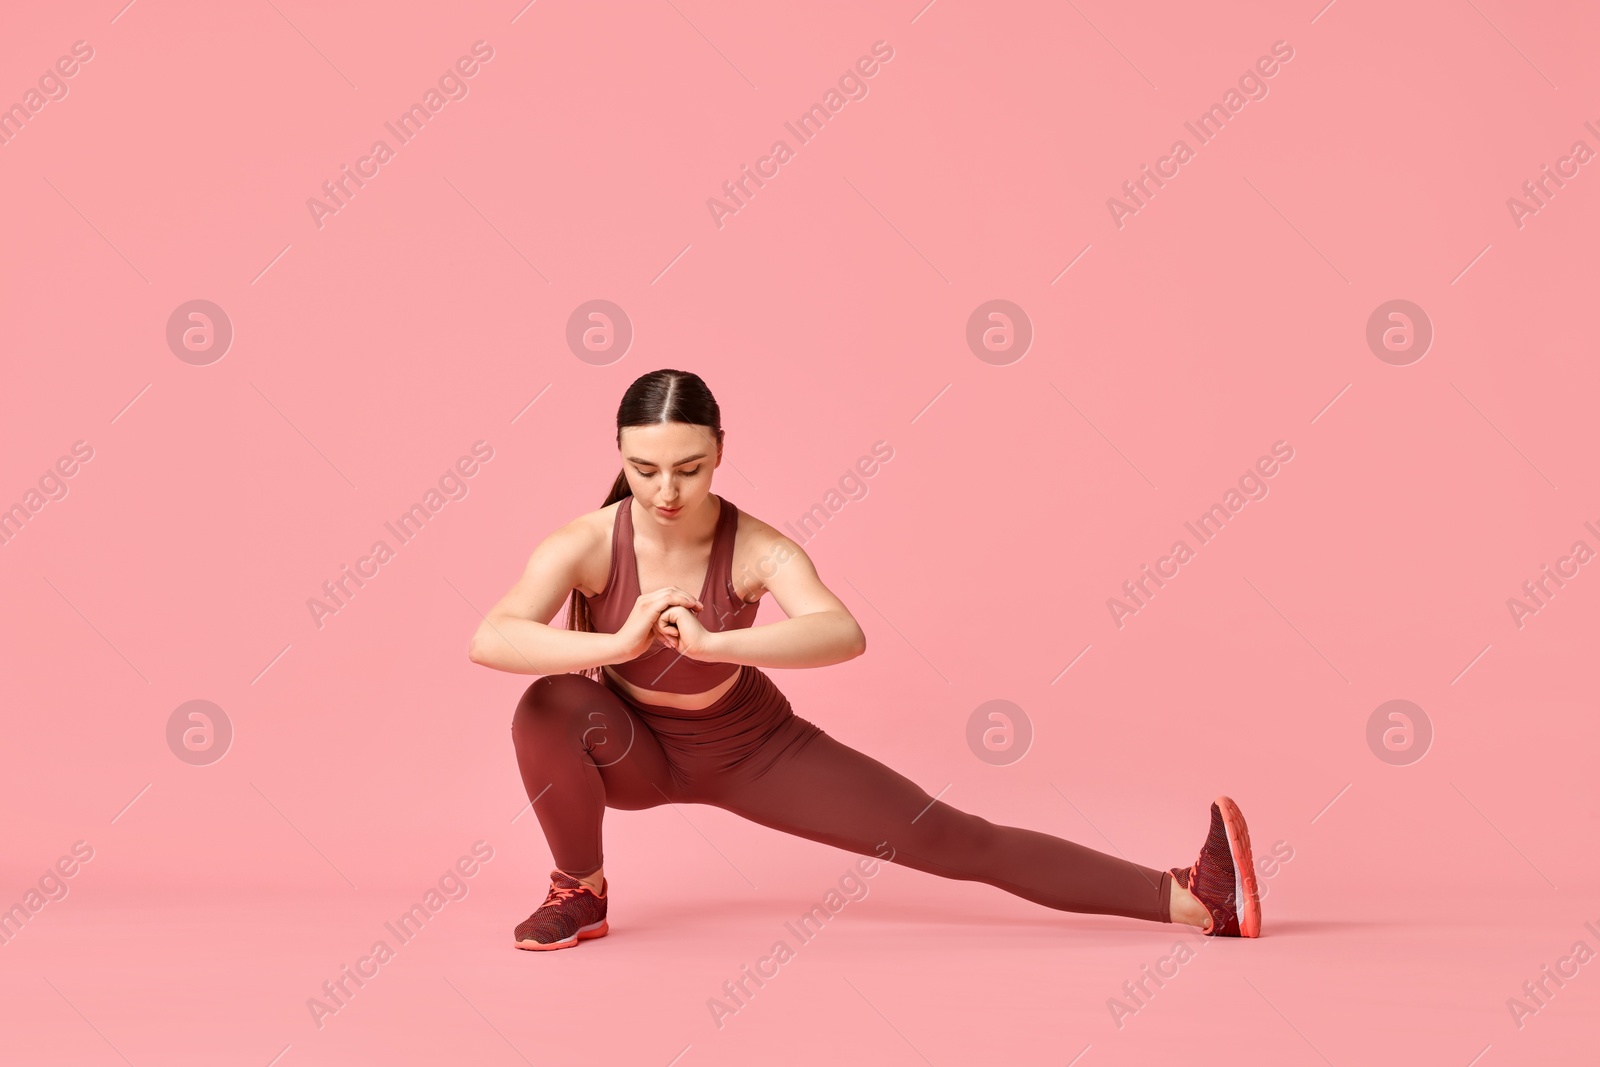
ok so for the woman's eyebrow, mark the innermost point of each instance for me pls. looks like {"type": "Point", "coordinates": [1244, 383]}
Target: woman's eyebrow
{"type": "Point", "coordinates": [653, 463]}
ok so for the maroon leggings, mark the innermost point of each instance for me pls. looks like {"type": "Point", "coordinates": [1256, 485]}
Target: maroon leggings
{"type": "Point", "coordinates": [582, 745]}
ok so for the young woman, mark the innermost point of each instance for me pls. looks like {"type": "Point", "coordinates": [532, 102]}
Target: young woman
{"type": "Point", "coordinates": [652, 693]}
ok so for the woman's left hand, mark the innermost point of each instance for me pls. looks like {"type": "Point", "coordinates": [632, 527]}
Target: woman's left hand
{"type": "Point", "coordinates": [677, 628]}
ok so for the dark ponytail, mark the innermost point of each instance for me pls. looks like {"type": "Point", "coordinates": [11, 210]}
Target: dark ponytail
{"type": "Point", "coordinates": [657, 397]}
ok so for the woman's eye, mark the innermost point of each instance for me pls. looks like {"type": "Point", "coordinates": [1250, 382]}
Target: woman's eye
{"type": "Point", "coordinates": [651, 474]}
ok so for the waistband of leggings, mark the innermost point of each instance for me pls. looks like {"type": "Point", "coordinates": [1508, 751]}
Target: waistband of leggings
{"type": "Point", "coordinates": [749, 678]}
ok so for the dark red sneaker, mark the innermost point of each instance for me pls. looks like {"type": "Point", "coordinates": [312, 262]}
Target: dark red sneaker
{"type": "Point", "coordinates": [1224, 875]}
{"type": "Point", "coordinates": [571, 911]}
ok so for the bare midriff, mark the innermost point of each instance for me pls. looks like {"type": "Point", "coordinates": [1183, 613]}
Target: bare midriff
{"type": "Point", "coordinates": [681, 701]}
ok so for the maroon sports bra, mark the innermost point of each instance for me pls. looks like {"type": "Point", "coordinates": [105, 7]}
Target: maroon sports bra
{"type": "Point", "coordinates": [661, 668]}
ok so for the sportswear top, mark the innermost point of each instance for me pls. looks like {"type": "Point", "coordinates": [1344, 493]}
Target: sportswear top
{"type": "Point", "coordinates": [661, 668]}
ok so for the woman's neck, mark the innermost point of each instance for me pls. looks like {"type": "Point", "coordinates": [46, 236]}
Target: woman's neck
{"type": "Point", "coordinates": [687, 532]}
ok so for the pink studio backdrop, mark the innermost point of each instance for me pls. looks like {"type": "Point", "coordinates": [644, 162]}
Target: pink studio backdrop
{"type": "Point", "coordinates": [1157, 341]}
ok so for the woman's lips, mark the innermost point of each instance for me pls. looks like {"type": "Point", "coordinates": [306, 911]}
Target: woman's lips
{"type": "Point", "coordinates": [669, 511]}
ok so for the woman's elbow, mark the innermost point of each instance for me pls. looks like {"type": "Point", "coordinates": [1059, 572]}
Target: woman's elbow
{"type": "Point", "coordinates": [478, 649]}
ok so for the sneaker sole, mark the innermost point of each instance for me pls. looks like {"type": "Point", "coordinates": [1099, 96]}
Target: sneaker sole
{"type": "Point", "coordinates": [592, 930]}
{"type": "Point", "coordinates": [1246, 900]}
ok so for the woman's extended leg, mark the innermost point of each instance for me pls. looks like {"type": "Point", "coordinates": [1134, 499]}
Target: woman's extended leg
{"type": "Point", "coordinates": [579, 749]}
{"type": "Point", "coordinates": [829, 792]}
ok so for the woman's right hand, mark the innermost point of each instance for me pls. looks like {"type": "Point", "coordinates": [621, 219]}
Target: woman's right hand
{"type": "Point", "coordinates": [638, 631]}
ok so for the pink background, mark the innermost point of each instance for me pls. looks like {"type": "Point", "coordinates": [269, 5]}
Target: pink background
{"type": "Point", "coordinates": [829, 313]}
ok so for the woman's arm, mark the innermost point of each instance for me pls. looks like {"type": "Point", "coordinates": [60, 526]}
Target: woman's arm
{"type": "Point", "coordinates": [514, 635]}
{"type": "Point", "coordinates": [523, 646]}
{"type": "Point", "coordinates": [819, 629]}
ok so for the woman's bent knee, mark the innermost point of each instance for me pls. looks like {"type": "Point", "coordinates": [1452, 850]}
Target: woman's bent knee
{"type": "Point", "coordinates": [556, 697]}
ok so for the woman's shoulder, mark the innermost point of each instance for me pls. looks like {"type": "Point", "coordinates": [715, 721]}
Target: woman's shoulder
{"type": "Point", "coordinates": [761, 535]}
{"type": "Point", "coordinates": [589, 536]}
{"type": "Point", "coordinates": [757, 547]}
{"type": "Point", "coordinates": [590, 526]}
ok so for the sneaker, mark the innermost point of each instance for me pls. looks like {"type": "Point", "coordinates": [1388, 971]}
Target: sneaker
{"type": "Point", "coordinates": [571, 911]}
{"type": "Point", "coordinates": [1223, 878]}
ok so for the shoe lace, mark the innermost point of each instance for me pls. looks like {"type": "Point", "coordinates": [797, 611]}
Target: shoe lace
{"type": "Point", "coordinates": [560, 893]}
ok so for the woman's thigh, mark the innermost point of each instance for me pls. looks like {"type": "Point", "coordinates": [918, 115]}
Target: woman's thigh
{"type": "Point", "coordinates": [829, 792]}
{"type": "Point", "coordinates": [563, 714]}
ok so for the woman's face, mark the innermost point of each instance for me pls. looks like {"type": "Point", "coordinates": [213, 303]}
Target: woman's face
{"type": "Point", "coordinates": [669, 466]}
